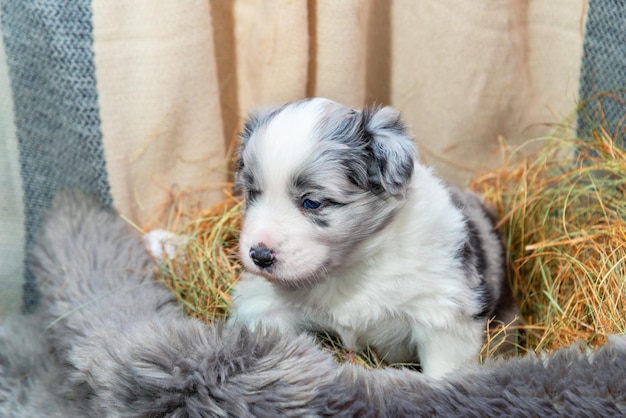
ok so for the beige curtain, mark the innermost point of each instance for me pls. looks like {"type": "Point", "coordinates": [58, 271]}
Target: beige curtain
{"type": "Point", "coordinates": [176, 77]}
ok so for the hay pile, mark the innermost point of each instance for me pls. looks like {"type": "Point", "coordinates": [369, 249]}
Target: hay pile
{"type": "Point", "coordinates": [563, 215]}
{"type": "Point", "coordinates": [564, 221]}
{"type": "Point", "coordinates": [206, 268]}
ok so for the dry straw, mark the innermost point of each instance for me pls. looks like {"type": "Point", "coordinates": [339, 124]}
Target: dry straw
{"type": "Point", "coordinates": [563, 218]}
{"type": "Point", "coordinates": [207, 267]}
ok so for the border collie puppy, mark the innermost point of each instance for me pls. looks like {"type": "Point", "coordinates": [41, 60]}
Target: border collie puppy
{"type": "Point", "coordinates": [345, 231]}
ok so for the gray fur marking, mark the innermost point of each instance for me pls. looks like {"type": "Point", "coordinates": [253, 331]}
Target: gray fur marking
{"type": "Point", "coordinates": [482, 254]}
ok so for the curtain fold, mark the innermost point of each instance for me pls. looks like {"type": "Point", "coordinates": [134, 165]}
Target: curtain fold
{"type": "Point", "coordinates": [176, 79]}
{"type": "Point", "coordinates": [139, 101]}
{"type": "Point", "coordinates": [160, 104]}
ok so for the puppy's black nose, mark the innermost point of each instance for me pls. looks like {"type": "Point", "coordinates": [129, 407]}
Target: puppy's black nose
{"type": "Point", "coordinates": [262, 256]}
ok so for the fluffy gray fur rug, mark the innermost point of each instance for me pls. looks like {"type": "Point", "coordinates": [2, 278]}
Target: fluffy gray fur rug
{"type": "Point", "coordinates": [109, 341]}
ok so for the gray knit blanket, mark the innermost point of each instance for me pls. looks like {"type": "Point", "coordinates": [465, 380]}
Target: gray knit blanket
{"type": "Point", "coordinates": [108, 340]}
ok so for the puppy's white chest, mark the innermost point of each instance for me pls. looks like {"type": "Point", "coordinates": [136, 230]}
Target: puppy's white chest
{"type": "Point", "coordinates": [359, 329]}
{"type": "Point", "coordinates": [361, 315]}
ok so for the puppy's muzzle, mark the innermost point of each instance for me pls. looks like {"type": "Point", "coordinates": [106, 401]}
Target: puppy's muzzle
{"type": "Point", "coordinates": [262, 256]}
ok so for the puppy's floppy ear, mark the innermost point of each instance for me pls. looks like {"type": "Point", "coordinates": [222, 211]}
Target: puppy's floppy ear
{"type": "Point", "coordinates": [392, 148]}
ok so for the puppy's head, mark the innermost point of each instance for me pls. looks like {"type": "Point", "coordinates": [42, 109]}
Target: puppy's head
{"type": "Point", "coordinates": [318, 180]}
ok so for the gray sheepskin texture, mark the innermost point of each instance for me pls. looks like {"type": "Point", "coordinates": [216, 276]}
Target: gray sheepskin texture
{"type": "Point", "coordinates": [110, 341]}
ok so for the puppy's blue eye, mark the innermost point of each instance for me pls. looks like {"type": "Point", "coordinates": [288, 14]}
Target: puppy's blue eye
{"type": "Point", "coordinates": [311, 204]}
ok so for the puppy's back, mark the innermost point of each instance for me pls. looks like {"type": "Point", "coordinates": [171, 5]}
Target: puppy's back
{"type": "Point", "coordinates": [484, 256]}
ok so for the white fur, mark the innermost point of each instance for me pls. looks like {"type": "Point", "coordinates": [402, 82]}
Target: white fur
{"type": "Point", "coordinates": [400, 290]}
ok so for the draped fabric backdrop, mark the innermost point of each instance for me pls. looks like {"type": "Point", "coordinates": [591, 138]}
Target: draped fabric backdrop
{"type": "Point", "coordinates": [138, 100]}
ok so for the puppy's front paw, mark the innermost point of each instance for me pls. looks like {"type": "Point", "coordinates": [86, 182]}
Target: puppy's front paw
{"type": "Point", "coordinates": [268, 319]}
{"type": "Point", "coordinates": [446, 350]}
{"type": "Point", "coordinates": [255, 304]}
